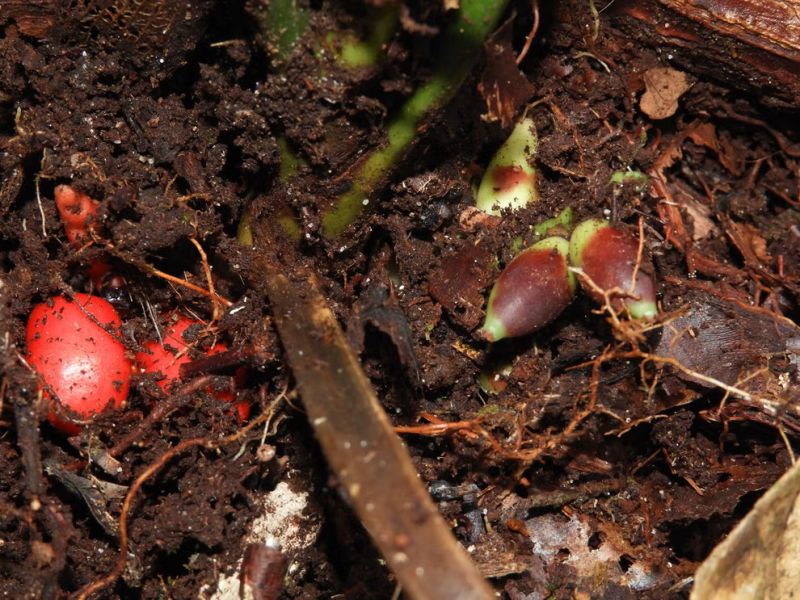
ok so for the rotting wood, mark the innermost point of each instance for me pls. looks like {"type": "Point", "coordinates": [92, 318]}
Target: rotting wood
{"type": "Point", "coordinates": [751, 44]}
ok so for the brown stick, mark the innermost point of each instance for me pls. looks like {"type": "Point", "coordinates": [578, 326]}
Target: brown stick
{"type": "Point", "coordinates": [370, 462]}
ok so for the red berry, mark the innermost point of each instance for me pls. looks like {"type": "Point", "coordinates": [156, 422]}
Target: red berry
{"type": "Point", "coordinates": [82, 363]}
{"type": "Point", "coordinates": [168, 357]}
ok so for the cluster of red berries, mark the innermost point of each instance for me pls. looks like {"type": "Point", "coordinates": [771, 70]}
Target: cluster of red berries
{"type": "Point", "coordinates": [75, 345]}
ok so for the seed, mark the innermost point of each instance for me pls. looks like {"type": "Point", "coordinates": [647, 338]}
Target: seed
{"type": "Point", "coordinates": [82, 364]}
{"type": "Point", "coordinates": [531, 291]}
{"type": "Point", "coordinates": [608, 256]}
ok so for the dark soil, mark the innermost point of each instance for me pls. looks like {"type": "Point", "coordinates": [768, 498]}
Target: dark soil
{"type": "Point", "coordinates": [178, 136]}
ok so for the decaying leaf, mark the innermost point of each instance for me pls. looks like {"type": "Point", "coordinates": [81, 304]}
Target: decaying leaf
{"type": "Point", "coordinates": [761, 557]}
{"type": "Point", "coordinates": [459, 285]}
{"type": "Point", "coordinates": [503, 86]}
{"type": "Point", "coordinates": [725, 339]}
{"type": "Point", "coordinates": [595, 555]}
{"type": "Point", "coordinates": [749, 241]}
{"type": "Point", "coordinates": [698, 212]}
{"type": "Point", "coordinates": [663, 88]}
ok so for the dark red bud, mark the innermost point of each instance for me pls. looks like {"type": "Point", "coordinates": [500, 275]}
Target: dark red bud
{"type": "Point", "coordinates": [531, 291]}
{"type": "Point", "coordinates": [608, 255]}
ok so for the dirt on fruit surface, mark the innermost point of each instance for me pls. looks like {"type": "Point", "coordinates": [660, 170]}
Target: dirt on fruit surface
{"type": "Point", "coordinates": [599, 456]}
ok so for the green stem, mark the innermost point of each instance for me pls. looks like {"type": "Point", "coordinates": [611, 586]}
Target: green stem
{"type": "Point", "coordinates": [461, 44]}
{"type": "Point", "coordinates": [282, 22]}
{"type": "Point", "coordinates": [355, 53]}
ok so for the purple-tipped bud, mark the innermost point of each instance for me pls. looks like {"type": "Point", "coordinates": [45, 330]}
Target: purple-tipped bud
{"type": "Point", "coordinates": [531, 291]}
{"type": "Point", "coordinates": [607, 255]}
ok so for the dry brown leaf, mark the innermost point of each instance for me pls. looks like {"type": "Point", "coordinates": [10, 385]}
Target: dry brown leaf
{"type": "Point", "coordinates": [699, 213]}
{"type": "Point", "coordinates": [726, 340]}
{"type": "Point", "coordinates": [702, 225]}
{"type": "Point", "coordinates": [761, 557]}
{"type": "Point", "coordinates": [749, 241]}
{"type": "Point", "coordinates": [703, 134]}
{"type": "Point", "coordinates": [503, 86]}
{"type": "Point", "coordinates": [663, 87]}
{"type": "Point", "coordinates": [700, 133]}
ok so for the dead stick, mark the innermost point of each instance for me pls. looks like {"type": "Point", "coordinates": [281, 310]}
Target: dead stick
{"type": "Point", "coordinates": [28, 440]}
{"type": "Point", "coordinates": [371, 464]}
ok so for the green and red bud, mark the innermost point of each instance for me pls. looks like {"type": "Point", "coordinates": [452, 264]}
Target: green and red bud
{"type": "Point", "coordinates": [531, 291]}
{"type": "Point", "coordinates": [510, 179]}
{"type": "Point", "coordinates": [560, 225]}
{"type": "Point", "coordinates": [608, 257]}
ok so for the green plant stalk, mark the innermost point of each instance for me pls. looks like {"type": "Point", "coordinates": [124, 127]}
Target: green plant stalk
{"type": "Point", "coordinates": [462, 43]}
{"type": "Point", "coordinates": [289, 166]}
{"type": "Point", "coordinates": [244, 232]}
{"type": "Point", "coordinates": [358, 54]}
{"type": "Point", "coordinates": [282, 23]}
{"type": "Point", "coordinates": [291, 163]}
{"type": "Point", "coordinates": [623, 177]}
{"type": "Point", "coordinates": [562, 222]}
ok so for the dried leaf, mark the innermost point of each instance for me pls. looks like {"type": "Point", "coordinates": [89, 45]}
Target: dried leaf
{"type": "Point", "coordinates": [702, 225]}
{"type": "Point", "coordinates": [664, 86]}
{"type": "Point", "coordinates": [749, 241]}
{"type": "Point", "coordinates": [503, 86]}
{"type": "Point", "coordinates": [594, 569]}
{"type": "Point", "coordinates": [460, 282]}
{"type": "Point", "coordinates": [761, 557]}
{"type": "Point", "coordinates": [699, 213]}
{"type": "Point", "coordinates": [724, 339]}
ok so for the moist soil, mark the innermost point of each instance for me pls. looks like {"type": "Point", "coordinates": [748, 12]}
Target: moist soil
{"type": "Point", "coordinates": [181, 131]}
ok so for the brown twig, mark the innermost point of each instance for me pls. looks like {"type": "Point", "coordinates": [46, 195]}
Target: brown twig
{"type": "Point", "coordinates": [139, 264]}
{"type": "Point", "coordinates": [27, 426]}
{"type": "Point", "coordinates": [215, 298]}
{"type": "Point", "coordinates": [215, 362]}
{"type": "Point", "coordinates": [373, 467]}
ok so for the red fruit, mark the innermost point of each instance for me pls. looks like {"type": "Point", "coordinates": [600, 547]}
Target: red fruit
{"type": "Point", "coordinates": [84, 365]}
{"type": "Point", "coordinates": [608, 255]}
{"type": "Point", "coordinates": [77, 212]}
{"type": "Point", "coordinates": [531, 291]}
{"type": "Point", "coordinates": [168, 357]}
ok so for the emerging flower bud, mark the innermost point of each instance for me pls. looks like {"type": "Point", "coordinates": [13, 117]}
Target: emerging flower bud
{"type": "Point", "coordinates": [77, 212]}
{"type": "Point", "coordinates": [531, 291]}
{"type": "Point", "coordinates": [510, 179]}
{"type": "Point", "coordinates": [607, 255]}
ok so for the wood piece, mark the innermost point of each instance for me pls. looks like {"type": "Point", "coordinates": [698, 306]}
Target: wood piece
{"type": "Point", "coordinates": [373, 467]}
{"type": "Point", "coordinates": [750, 44]}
